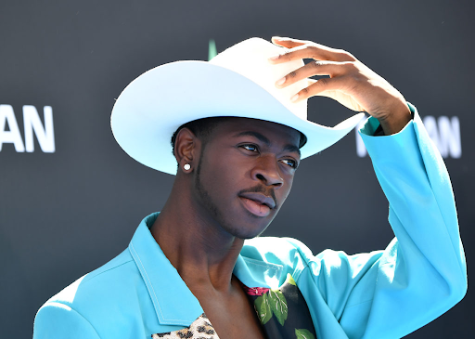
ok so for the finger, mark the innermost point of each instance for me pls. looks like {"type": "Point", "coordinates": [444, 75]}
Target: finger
{"type": "Point", "coordinates": [319, 87]}
{"type": "Point", "coordinates": [288, 42]}
{"type": "Point", "coordinates": [313, 51]}
{"type": "Point", "coordinates": [331, 68]}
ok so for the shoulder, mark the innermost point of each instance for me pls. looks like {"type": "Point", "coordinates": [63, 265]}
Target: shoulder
{"type": "Point", "coordinates": [93, 301]}
{"type": "Point", "coordinates": [283, 251]}
{"type": "Point", "coordinates": [293, 253]}
{"type": "Point", "coordinates": [103, 283]}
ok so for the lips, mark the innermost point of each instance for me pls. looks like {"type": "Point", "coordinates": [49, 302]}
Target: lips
{"type": "Point", "coordinates": [260, 198]}
{"type": "Point", "coordinates": [257, 203]}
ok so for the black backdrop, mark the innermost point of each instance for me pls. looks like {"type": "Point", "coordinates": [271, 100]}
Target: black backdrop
{"type": "Point", "coordinates": [65, 213]}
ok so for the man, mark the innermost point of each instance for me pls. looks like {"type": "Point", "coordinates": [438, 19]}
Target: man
{"type": "Point", "coordinates": [239, 131]}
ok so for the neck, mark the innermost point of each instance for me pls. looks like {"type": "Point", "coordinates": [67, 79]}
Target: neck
{"type": "Point", "coordinates": [196, 245]}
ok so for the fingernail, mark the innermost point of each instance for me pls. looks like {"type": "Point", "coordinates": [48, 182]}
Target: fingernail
{"type": "Point", "coordinates": [281, 81]}
{"type": "Point", "coordinates": [294, 98]}
{"type": "Point", "coordinates": [275, 57]}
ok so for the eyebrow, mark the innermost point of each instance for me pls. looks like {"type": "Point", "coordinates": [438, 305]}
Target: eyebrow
{"type": "Point", "coordinates": [262, 138]}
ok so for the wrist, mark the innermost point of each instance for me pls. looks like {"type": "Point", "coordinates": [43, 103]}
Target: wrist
{"type": "Point", "coordinates": [396, 119]}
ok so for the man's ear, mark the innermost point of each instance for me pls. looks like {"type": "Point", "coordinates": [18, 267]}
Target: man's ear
{"type": "Point", "coordinates": [186, 144]}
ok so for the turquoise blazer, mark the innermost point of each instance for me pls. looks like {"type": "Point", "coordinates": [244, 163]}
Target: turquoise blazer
{"type": "Point", "coordinates": [382, 294]}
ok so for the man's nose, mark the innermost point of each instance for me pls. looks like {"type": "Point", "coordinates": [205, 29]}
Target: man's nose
{"type": "Point", "coordinates": [267, 171]}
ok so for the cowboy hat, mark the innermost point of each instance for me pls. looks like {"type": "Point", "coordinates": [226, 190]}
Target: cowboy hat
{"type": "Point", "coordinates": [239, 82]}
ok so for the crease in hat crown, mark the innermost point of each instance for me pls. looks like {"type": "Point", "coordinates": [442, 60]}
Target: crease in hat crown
{"type": "Point", "coordinates": [250, 58]}
{"type": "Point", "coordinates": [238, 82]}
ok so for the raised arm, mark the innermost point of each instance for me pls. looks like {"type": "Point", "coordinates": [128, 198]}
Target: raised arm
{"type": "Point", "coordinates": [422, 273]}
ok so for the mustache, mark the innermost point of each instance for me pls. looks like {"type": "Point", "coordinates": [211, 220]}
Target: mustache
{"type": "Point", "coordinates": [263, 190]}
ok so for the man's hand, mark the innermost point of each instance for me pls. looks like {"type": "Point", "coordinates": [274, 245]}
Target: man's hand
{"type": "Point", "coordinates": [350, 82]}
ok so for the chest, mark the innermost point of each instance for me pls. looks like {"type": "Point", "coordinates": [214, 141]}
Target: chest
{"type": "Point", "coordinates": [232, 317]}
{"type": "Point", "coordinates": [252, 313]}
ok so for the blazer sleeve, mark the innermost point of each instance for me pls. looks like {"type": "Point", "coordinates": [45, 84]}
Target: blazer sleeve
{"type": "Point", "coordinates": [57, 320]}
{"type": "Point", "coordinates": [422, 273]}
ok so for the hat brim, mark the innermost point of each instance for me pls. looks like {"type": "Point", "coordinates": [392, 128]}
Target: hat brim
{"type": "Point", "coordinates": [153, 106]}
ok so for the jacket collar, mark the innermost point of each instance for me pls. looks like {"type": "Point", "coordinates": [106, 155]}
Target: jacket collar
{"type": "Point", "coordinates": [173, 301]}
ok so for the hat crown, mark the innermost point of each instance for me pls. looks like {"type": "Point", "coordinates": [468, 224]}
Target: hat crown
{"type": "Point", "coordinates": [250, 59]}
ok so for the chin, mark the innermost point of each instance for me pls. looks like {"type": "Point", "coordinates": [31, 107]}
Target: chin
{"type": "Point", "coordinates": [246, 235]}
{"type": "Point", "coordinates": [249, 229]}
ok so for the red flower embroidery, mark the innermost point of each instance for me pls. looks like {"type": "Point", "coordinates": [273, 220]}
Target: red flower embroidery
{"type": "Point", "coordinates": [255, 290]}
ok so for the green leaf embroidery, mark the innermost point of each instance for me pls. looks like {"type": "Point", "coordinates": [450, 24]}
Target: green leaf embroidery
{"type": "Point", "coordinates": [290, 280]}
{"type": "Point", "coordinates": [263, 308]}
{"type": "Point", "coordinates": [278, 305]}
{"type": "Point", "coordinates": [304, 334]}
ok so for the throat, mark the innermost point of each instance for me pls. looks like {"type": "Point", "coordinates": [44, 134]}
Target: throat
{"type": "Point", "coordinates": [201, 255]}
{"type": "Point", "coordinates": [231, 314]}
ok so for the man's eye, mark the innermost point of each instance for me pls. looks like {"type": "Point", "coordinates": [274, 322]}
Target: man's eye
{"type": "Point", "coordinates": [250, 147]}
{"type": "Point", "coordinates": [290, 162]}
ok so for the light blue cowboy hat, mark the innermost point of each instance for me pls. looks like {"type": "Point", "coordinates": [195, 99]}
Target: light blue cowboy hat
{"type": "Point", "coordinates": [239, 82]}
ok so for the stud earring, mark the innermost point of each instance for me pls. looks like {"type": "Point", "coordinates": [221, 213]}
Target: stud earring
{"type": "Point", "coordinates": [187, 167]}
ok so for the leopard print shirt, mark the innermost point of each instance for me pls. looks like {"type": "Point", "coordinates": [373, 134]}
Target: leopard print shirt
{"type": "Point", "coordinates": [201, 328]}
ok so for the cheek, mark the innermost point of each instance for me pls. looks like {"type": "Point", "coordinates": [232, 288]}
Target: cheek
{"type": "Point", "coordinates": [285, 190]}
{"type": "Point", "coordinates": [289, 179]}
{"type": "Point", "coordinates": [229, 165]}
{"type": "Point", "coordinates": [221, 177]}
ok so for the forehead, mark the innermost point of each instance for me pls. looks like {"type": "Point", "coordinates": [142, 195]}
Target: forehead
{"type": "Point", "coordinates": [276, 133]}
